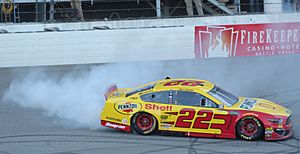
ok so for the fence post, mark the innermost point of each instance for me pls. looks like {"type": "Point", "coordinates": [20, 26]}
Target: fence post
{"type": "Point", "coordinates": [51, 12]}
{"type": "Point", "coordinates": [40, 10]}
{"type": "Point", "coordinates": [272, 6]}
{"type": "Point", "coordinates": [45, 11]}
{"type": "Point", "coordinates": [158, 11]}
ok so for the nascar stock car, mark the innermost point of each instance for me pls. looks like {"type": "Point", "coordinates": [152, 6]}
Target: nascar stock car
{"type": "Point", "coordinates": [195, 108]}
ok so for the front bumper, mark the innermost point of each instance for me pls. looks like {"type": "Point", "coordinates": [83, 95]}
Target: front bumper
{"type": "Point", "coordinates": [280, 137]}
{"type": "Point", "coordinates": [279, 133]}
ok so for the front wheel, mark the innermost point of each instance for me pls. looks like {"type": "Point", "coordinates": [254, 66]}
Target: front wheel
{"type": "Point", "coordinates": [249, 128]}
{"type": "Point", "coordinates": [143, 123]}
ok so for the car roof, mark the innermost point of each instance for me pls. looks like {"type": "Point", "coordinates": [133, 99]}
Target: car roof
{"type": "Point", "coordinates": [183, 84]}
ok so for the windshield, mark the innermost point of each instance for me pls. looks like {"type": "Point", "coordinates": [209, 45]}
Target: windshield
{"type": "Point", "coordinates": [225, 97]}
{"type": "Point", "coordinates": [134, 91]}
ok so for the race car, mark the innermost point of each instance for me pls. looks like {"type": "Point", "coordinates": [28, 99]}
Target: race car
{"type": "Point", "coordinates": [195, 108]}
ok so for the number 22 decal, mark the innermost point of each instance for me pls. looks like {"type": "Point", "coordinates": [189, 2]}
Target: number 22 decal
{"type": "Point", "coordinates": [201, 122]}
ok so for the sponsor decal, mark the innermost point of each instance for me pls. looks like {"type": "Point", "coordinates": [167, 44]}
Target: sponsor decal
{"type": "Point", "coordinates": [164, 117]}
{"type": "Point", "coordinates": [127, 107]}
{"type": "Point", "coordinates": [158, 107]}
{"type": "Point", "coordinates": [250, 114]}
{"type": "Point", "coordinates": [113, 119]}
{"type": "Point", "coordinates": [267, 106]}
{"type": "Point", "coordinates": [268, 132]}
{"type": "Point", "coordinates": [117, 94]}
{"type": "Point", "coordinates": [108, 124]}
{"type": "Point", "coordinates": [133, 97]}
{"type": "Point", "coordinates": [248, 103]}
{"type": "Point", "coordinates": [124, 121]}
{"type": "Point", "coordinates": [233, 112]}
{"type": "Point", "coordinates": [190, 83]}
{"type": "Point", "coordinates": [247, 40]}
{"type": "Point", "coordinates": [166, 126]}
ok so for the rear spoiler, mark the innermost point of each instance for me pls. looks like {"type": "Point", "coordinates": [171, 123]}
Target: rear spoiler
{"type": "Point", "coordinates": [109, 90]}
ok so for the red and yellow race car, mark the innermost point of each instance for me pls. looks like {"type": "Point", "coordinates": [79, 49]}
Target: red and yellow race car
{"type": "Point", "coordinates": [194, 108]}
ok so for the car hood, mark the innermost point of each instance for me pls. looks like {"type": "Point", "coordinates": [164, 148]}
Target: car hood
{"type": "Point", "coordinates": [262, 105]}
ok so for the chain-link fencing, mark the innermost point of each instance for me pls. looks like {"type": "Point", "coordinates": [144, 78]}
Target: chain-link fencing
{"type": "Point", "coordinates": [97, 10]}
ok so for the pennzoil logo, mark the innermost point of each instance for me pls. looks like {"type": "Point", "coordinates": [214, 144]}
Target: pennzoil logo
{"type": "Point", "coordinates": [127, 107]}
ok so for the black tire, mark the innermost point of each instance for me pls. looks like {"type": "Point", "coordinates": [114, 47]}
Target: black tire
{"type": "Point", "coordinates": [250, 128]}
{"type": "Point", "coordinates": [143, 123]}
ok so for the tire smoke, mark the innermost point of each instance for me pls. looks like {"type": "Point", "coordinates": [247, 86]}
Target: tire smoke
{"type": "Point", "coordinates": [78, 96]}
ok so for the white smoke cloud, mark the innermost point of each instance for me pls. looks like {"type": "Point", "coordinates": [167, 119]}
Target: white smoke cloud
{"type": "Point", "coordinates": [77, 97]}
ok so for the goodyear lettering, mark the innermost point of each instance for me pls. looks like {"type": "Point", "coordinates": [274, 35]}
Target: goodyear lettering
{"type": "Point", "coordinates": [156, 107]}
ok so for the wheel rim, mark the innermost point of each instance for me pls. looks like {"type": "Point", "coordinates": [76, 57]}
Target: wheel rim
{"type": "Point", "coordinates": [144, 122]}
{"type": "Point", "coordinates": [249, 127]}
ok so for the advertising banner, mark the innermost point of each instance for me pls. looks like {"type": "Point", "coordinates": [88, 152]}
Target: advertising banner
{"type": "Point", "coordinates": [247, 40]}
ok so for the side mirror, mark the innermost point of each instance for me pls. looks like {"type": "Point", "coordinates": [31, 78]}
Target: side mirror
{"type": "Point", "coordinates": [221, 106]}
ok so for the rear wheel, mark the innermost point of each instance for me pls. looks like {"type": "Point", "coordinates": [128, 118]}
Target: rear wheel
{"type": "Point", "coordinates": [143, 123]}
{"type": "Point", "coordinates": [250, 128]}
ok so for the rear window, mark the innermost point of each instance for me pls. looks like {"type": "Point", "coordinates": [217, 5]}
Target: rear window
{"type": "Point", "coordinates": [137, 90]}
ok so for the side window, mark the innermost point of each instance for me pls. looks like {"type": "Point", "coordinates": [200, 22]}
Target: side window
{"type": "Point", "coordinates": [187, 98]}
{"type": "Point", "coordinates": [205, 102]}
{"type": "Point", "coordinates": [158, 97]}
{"type": "Point", "coordinates": [192, 99]}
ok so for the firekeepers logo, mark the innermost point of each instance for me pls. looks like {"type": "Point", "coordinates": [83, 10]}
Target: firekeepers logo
{"type": "Point", "coordinates": [247, 40]}
{"type": "Point", "coordinates": [213, 41]}
{"type": "Point", "coordinates": [127, 108]}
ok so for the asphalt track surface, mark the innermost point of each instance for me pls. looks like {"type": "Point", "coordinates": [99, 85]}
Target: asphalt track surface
{"type": "Point", "coordinates": [24, 130]}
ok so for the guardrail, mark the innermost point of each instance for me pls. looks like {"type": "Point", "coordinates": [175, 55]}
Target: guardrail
{"type": "Point", "coordinates": [99, 10]}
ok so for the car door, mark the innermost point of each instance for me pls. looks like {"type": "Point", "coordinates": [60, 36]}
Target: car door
{"type": "Point", "coordinates": [161, 105]}
{"type": "Point", "coordinates": [198, 114]}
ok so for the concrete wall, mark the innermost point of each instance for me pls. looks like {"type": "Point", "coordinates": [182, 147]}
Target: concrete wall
{"type": "Point", "coordinates": [52, 48]}
{"type": "Point", "coordinates": [79, 43]}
